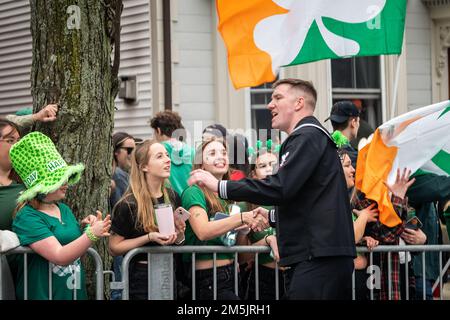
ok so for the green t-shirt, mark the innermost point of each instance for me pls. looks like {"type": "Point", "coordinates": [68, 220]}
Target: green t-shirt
{"type": "Point", "coordinates": [194, 196]}
{"type": "Point", "coordinates": [8, 202]}
{"type": "Point", "coordinates": [182, 157]}
{"type": "Point", "coordinates": [31, 226]}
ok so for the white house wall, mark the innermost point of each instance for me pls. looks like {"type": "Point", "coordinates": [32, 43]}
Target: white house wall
{"type": "Point", "coordinates": [135, 59]}
{"type": "Point", "coordinates": [194, 62]}
{"type": "Point", "coordinates": [15, 56]}
{"type": "Point", "coordinates": [418, 54]}
{"type": "Point", "coordinates": [193, 74]}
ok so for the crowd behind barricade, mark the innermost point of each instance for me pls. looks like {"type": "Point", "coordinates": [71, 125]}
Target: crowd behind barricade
{"type": "Point", "coordinates": [150, 184]}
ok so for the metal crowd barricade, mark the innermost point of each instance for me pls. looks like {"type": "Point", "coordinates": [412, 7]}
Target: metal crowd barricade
{"type": "Point", "coordinates": [161, 273]}
{"type": "Point", "coordinates": [25, 251]}
{"type": "Point", "coordinates": [422, 249]}
{"type": "Point", "coordinates": [157, 276]}
{"type": "Point", "coordinates": [156, 288]}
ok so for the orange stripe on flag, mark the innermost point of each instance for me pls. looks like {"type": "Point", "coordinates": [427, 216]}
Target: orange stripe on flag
{"type": "Point", "coordinates": [248, 65]}
{"type": "Point", "coordinates": [373, 167]}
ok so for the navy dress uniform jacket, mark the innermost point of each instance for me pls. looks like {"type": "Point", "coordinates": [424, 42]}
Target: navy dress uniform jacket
{"type": "Point", "coordinates": [310, 192]}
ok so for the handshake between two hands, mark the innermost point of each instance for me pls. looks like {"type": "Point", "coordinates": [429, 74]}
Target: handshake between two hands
{"type": "Point", "coordinates": [257, 219]}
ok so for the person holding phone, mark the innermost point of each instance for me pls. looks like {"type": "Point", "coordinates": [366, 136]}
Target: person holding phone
{"type": "Point", "coordinates": [388, 235]}
{"type": "Point", "coordinates": [413, 233]}
{"type": "Point", "coordinates": [423, 195]}
{"type": "Point", "coordinates": [201, 229]}
{"type": "Point", "coordinates": [134, 220]}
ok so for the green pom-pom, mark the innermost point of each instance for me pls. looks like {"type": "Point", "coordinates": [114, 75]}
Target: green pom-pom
{"type": "Point", "coordinates": [258, 145]}
{"type": "Point", "coordinates": [251, 151]}
{"type": "Point", "coordinates": [269, 144]}
{"type": "Point", "coordinates": [339, 138]}
{"type": "Point", "coordinates": [277, 148]}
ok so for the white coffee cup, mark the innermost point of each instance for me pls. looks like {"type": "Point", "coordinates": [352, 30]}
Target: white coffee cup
{"type": "Point", "coordinates": [164, 218]}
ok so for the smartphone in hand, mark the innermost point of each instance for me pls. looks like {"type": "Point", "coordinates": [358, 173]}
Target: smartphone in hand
{"type": "Point", "coordinates": [182, 213]}
{"type": "Point", "coordinates": [220, 215]}
{"type": "Point", "coordinates": [413, 223]}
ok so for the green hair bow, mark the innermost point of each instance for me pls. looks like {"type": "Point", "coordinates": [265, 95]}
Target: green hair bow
{"type": "Point", "coordinates": [339, 139]}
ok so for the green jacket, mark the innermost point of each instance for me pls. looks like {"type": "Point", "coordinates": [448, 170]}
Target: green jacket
{"type": "Point", "coordinates": [422, 195]}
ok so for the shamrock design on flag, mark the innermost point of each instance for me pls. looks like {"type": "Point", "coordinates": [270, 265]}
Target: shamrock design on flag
{"type": "Point", "coordinates": [283, 35]}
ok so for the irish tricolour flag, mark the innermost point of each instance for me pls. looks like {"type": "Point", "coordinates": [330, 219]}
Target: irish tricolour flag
{"type": "Point", "coordinates": [418, 140]}
{"type": "Point", "coordinates": [263, 35]}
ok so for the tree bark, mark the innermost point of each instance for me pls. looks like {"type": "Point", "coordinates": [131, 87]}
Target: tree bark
{"type": "Point", "coordinates": [72, 66]}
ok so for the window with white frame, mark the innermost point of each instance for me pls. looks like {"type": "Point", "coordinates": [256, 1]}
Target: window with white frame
{"type": "Point", "coordinates": [261, 118]}
{"type": "Point", "coordinates": [359, 79]}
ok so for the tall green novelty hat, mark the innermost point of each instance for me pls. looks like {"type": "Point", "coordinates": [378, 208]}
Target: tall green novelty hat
{"type": "Point", "coordinates": [40, 166]}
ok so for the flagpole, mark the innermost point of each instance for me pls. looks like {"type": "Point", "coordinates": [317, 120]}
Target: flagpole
{"type": "Point", "coordinates": [384, 94]}
{"type": "Point", "coordinates": [394, 94]}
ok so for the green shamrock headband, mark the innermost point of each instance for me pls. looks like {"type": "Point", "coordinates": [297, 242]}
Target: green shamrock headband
{"type": "Point", "coordinates": [269, 147]}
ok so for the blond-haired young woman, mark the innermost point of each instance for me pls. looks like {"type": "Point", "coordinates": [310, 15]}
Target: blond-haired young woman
{"type": "Point", "coordinates": [134, 223]}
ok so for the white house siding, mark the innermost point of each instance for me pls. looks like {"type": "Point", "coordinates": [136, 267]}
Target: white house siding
{"type": "Point", "coordinates": [418, 55]}
{"type": "Point", "coordinates": [135, 59]}
{"type": "Point", "coordinates": [193, 74]}
{"type": "Point", "coordinates": [15, 56]}
{"type": "Point", "coordinates": [193, 61]}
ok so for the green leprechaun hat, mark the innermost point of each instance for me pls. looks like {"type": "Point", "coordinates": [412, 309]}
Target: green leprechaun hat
{"type": "Point", "coordinates": [40, 166]}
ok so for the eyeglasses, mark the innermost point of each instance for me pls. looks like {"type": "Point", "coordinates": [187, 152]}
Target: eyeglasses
{"type": "Point", "coordinates": [129, 149]}
{"type": "Point", "coordinates": [10, 141]}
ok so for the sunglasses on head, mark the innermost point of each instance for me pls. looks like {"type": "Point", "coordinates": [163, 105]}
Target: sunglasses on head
{"type": "Point", "coordinates": [129, 149]}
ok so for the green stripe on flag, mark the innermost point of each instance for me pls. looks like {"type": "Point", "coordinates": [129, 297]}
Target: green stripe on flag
{"type": "Point", "coordinates": [420, 172]}
{"type": "Point", "coordinates": [442, 160]}
{"type": "Point", "coordinates": [444, 112]}
{"type": "Point", "coordinates": [381, 35]}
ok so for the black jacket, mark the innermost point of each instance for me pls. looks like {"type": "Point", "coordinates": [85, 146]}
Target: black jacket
{"type": "Point", "coordinates": [309, 190]}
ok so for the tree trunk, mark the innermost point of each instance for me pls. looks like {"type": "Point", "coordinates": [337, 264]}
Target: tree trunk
{"type": "Point", "coordinates": [72, 46]}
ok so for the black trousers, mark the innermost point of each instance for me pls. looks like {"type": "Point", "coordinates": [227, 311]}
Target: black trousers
{"type": "Point", "coordinates": [266, 288]}
{"type": "Point", "coordinates": [327, 278]}
{"type": "Point", "coordinates": [225, 284]}
{"type": "Point", "coordinates": [361, 290]}
{"type": "Point", "coordinates": [138, 282]}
